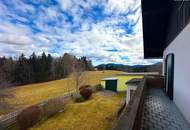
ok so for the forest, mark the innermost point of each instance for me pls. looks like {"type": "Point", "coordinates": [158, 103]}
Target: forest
{"type": "Point", "coordinates": [35, 69]}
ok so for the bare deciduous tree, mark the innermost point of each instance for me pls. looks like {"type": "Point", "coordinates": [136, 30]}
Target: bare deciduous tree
{"type": "Point", "coordinates": [78, 74]}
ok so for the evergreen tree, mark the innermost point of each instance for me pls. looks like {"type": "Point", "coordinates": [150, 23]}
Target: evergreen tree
{"type": "Point", "coordinates": [39, 68]}
{"type": "Point", "coordinates": [23, 70]}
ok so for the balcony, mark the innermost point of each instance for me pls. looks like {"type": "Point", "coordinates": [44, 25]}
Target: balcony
{"type": "Point", "coordinates": [151, 109]}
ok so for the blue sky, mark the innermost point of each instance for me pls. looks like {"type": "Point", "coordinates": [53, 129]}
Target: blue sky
{"type": "Point", "coordinates": [105, 31]}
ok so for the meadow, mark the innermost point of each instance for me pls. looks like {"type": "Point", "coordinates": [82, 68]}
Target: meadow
{"type": "Point", "coordinates": [98, 113]}
{"type": "Point", "coordinates": [27, 95]}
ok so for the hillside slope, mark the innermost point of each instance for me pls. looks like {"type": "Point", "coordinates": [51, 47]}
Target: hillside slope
{"type": "Point", "coordinates": [33, 93]}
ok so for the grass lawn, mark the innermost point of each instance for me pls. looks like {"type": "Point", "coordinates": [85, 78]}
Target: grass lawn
{"type": "Point", "coordinates": [33, 93]}
{"type": "Point", "coordinates": [98, 113]}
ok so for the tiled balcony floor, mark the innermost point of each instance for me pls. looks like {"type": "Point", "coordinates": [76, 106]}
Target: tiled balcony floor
{"type": "Point", "coordinates": [160, 113]}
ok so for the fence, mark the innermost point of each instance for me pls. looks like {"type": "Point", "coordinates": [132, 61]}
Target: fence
{"type": "Point", "coordinates": [10, 119]}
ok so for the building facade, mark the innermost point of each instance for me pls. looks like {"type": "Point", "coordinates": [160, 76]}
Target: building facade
{"type": "Point", "coordinates": [166, 30]}
{"type": "Point", "coordinates": [118, 82]}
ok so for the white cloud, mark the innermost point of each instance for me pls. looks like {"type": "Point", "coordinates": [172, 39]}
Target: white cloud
{"type": "Point", "coordinates": [7, 27]}
{"type": "Point", "coordinates": [120, 6]}
{"type": "Point", "coordinates": [21, 6]}
{"type": "Point", "coordinates": [66, 4]}
{"type": "Point", "coordinates": [14, 39]}
{"type": "Point", "coordinates": [96, 40]}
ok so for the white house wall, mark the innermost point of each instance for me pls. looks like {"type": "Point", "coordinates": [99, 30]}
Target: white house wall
{"type": "Point", "coordinates": [181, 49]}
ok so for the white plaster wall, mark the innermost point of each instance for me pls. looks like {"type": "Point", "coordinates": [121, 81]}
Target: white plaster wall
{"type": "Point", "coordinates": [181, 49]}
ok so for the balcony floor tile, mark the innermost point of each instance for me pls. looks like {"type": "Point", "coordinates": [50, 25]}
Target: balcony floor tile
{"type": "Point", "coordinates": [160, 113]}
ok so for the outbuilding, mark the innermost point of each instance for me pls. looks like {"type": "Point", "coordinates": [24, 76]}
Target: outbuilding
{"type": "Point", "coordinates": [117, 83]}
{"type": "Point", "coordinates": [110, 83]}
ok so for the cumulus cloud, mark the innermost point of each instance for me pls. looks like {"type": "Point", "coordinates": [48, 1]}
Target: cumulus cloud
{"type": "Point", "coordinates": [106, 31]}
{"type": "Point", "coordinates": [119, 6]}
{"type": "Point", "coordinates": [15, 40]}
{"type": "Point", "coordinates": [66, 4]}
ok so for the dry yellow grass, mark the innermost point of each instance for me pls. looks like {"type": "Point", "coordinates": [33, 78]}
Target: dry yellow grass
{"type": "Point", "coordinates": [33, 93]}
{"type": "Point", "coordinates": [98, 113]}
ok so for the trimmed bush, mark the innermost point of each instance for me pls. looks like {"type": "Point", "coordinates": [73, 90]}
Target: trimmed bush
{"type": "Point", "coordinates": [86, 93]}
{"type": "Point", "coordinates": [29, 117]}
{"type": "Point", "coordinates": [84, 86]}
{"type": "Point", "coordinates": [51, 107]}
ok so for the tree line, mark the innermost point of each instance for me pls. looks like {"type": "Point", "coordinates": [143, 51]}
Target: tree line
{"type": "Point", "coordinates": [39, 68]}
{"type": "Point", "coordinates": [136, 68]}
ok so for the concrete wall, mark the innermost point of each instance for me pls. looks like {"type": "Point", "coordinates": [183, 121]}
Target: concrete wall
{"type": "Point", "coordinates": [180, 46]}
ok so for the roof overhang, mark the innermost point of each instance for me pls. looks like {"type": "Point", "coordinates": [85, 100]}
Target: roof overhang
{"type": "Point", "coordinates": [109, 78]}
{"type": "Point", "coordinates": [155, 16]}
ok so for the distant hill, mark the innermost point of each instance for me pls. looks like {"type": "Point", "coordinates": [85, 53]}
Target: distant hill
{"type": "Point", "coordinates": [136, 68]}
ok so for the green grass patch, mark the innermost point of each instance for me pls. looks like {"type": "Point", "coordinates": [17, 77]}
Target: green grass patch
{"type": "Point", "coordinates": [98, 113]}
{"type": "Point", "coordinates": [27, 95]}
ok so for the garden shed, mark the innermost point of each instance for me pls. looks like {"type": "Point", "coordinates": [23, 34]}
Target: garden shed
{"type": "Point", "coordinates": [110, 83]}
{"type": "Point", "coordinates": [117, 83]}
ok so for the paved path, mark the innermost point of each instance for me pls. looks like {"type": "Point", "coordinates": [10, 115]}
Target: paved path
{"type": "Point", "coordinates": [108, 93]}
{"type": "Point", "coordinates": [160, 113]}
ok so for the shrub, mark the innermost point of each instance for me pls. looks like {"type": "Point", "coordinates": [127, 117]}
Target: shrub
{"type": "Point", "coordinates": [29, 117]}
{"type": "Point", "coordinates": [86, 93]}
{"type": "Point", "coordinates": [84, 86]}
{"type": "Point", "coordinates": [79, 99]}
{"type": "Point", "coordinates": [53, 106]}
